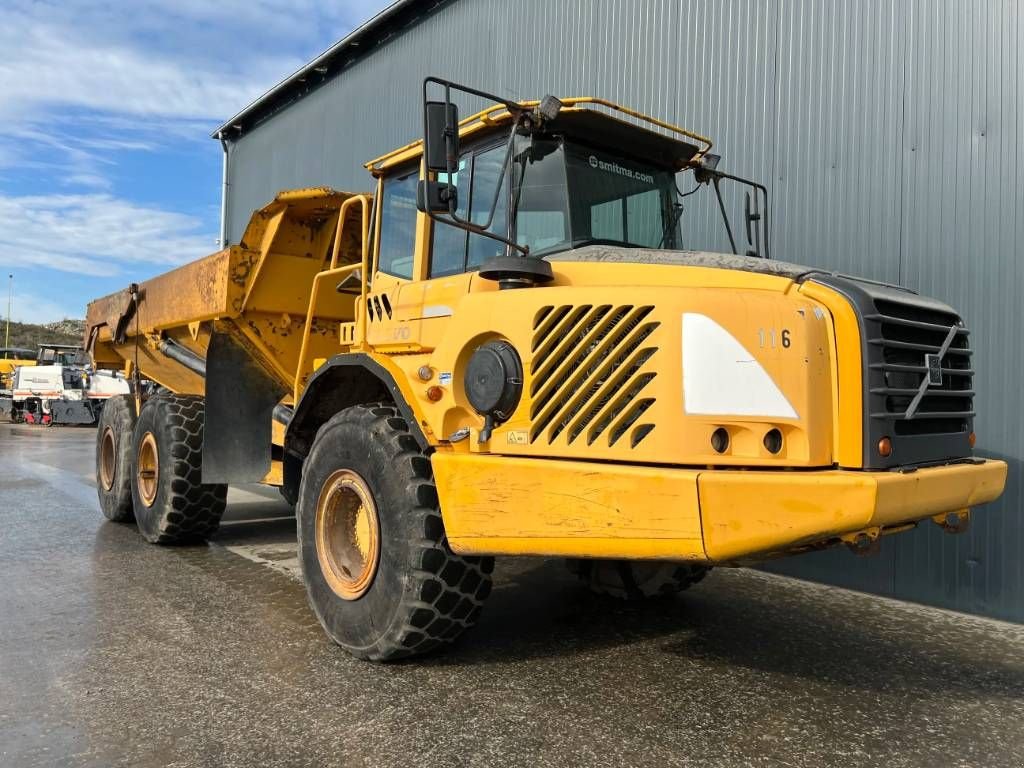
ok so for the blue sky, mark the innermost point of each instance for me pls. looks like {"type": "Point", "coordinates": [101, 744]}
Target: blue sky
{"type": "Point", "coordinates": [107, 171]}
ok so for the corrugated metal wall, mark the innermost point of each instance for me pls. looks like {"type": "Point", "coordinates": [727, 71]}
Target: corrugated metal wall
{"type": "Point", "coordinates": [890, 133]}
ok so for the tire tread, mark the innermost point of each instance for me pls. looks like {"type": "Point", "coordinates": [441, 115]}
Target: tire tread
{"type": "Point", "coordinates": [119, 414]}
{"type": "Point", "coordinates": [437, 608]}
{"type": "Point", "coordinates": [194, 508]}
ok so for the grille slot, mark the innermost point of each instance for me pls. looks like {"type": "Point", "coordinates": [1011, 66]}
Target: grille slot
{"type": "Point", "coordinates": [588, 371]}
{"type": "Point", "coordinates": [900, 336]}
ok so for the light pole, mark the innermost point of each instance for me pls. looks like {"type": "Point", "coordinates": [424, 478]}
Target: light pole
{"type": "Point", "coordinates": [10, 295]}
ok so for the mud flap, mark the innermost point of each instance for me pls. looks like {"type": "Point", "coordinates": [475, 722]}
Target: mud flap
{"type": "Point", "coordinates": [240, 400]}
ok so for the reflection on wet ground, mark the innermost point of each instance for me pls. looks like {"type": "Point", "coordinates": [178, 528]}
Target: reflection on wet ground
{"type": "Point", "coordinates": [113, 652]}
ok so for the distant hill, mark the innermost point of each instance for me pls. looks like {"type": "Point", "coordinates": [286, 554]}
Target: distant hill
{"type": "Point", "coordinates": [29, 336]}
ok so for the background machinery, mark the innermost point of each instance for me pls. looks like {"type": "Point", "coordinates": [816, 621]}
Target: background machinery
{"type": "Point", "coordinates": [61, 387]}
{"type": "Point", "coordinates": [508, 349]}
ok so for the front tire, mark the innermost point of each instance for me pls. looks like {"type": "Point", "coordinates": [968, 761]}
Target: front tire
{"type": "Point", "coordinates": [114, 458]}
{"type": "Point", "coordinates": [378, 570]}
{"type": "Point", "coordinates": [172, 504]}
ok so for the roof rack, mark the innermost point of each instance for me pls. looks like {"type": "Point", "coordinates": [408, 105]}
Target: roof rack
{"type": "Point", "coordinates": [497, 114]}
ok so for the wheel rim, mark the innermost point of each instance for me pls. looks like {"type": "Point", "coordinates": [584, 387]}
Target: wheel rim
{"type": "Point", "coordinates": [148, 469]}
{"type": "Point", "coordinates": [108, 459]}
{"type": "Point", "coordinates": [347, 534]}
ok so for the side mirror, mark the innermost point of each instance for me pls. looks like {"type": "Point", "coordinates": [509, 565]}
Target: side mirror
{"type": "Point", "coordinates": [436, 197]}
{"type": "Point", "coordinates": [752, 217]}
{"type": "Point", "coordinates": [441, 135]}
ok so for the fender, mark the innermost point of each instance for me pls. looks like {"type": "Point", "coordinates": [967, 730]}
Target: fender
{"type": "Point", "coordinates": [344, 380]}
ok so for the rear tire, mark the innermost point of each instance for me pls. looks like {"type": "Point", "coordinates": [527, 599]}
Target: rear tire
{"type": "Point", "coordinates": [378, 570]}
{"type": "Point", "coordinates": [114, 458]}
{"type": "Point", "coordinates": [636, 579]}
{"type": "Point", "coordinates": [172, 504]}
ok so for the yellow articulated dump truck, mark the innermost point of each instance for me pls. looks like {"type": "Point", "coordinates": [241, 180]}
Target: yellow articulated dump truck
{"type": "Point", "coordinates": [508, 349]}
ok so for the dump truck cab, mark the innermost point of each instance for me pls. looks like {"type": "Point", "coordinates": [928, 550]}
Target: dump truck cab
{"type": "Point", "coordinates": [11, 358]}
{"type": "Point", "coordinates": [511, 346]}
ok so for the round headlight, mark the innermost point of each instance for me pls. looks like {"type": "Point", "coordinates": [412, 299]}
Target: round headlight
{"type": "Point", "coordinates": [494, 380]}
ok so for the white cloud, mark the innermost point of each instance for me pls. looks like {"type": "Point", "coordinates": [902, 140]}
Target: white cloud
{"type": "Point", "coordinates": [45, 66]}
{"type": "Point", "coordinates": [96, 234]}
{"type": "Point", "coordinates": [181, 58]}
{"type": "Point", "coordinates": [83, 82]}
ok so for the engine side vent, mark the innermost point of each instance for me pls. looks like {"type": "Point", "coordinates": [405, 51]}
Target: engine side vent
{"type": "Point", "coordinates": [590, 366]}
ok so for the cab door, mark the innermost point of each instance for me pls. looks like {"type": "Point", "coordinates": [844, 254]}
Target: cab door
{"type": "Point", "coordinates": [390, 304]}
{"type": "Point", "coordinates": [424, 268]}
{"type": "Point", "coordinates": [451, 254]}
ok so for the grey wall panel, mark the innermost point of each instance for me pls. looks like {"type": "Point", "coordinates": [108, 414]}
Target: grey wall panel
{"type": "Point", "coordinates": [963, 186]}
{"type": "Point", "coordinates": [888, 131]}
{"type": "Point", "coordinates": [674, 60]}
{"type": "Point", "coordinates": [836, 180]}
{"type": "Point", "coordinates": [952, 230]}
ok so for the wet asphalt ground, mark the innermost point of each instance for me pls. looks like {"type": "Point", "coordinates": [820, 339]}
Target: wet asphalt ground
{"type": "Point", "coordinates": [114, 652]}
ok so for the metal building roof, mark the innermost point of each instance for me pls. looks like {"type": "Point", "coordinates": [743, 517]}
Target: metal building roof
{"type": "Point", "coordinates": [330, 63]}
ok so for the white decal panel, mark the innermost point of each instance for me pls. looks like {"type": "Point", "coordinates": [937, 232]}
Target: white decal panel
{"type": "Point", "coordinates": [721, 378]}
{"type": "Point", "coordinates": [437, 310]}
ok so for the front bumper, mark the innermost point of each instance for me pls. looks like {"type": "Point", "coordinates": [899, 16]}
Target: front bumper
{"type": "Point", "coordinates": [502, 505]}
{"type": "Point", "coordinates": [750, 513]}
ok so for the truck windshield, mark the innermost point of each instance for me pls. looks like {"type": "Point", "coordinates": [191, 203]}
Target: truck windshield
{"type": "Point", "coordinates": [566, 194]}
{"type": "Point", "coordinates": [571, 195]}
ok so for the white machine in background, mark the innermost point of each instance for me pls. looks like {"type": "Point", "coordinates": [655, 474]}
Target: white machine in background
{"type": "Point", "coordinates": [62, 394]}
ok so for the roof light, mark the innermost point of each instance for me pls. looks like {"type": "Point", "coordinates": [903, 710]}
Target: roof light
{"type": "Point", "coordinates": [549, 107]}
{"type": "Point", "coordinates": [710, 162]}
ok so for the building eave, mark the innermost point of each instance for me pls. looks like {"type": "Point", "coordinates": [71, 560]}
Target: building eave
{"type": "Point", "coordinates": [327, 65]}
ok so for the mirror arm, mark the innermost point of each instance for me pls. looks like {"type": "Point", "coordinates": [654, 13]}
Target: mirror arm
{"type": "Point", "coordinates": [511, 106]}
{"type": "Point", "coordinates": [757, 187]}
{"type": "Point", "coordinates": [483, 228]}
{"type": "Point", "coordinates": [757, 229]}
{"type": "Point", "coordinates": [501, 177]}
{"type": "Point", "coordinates": [725, 216]}
{"type": "Point", "coordinates": [764, 217]}
{"type": "Point", "coordinates": [517, 110]}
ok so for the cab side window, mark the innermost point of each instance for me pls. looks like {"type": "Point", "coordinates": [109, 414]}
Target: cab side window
{"type": "Point", "coordinates": [454, 250]}
{"type": "Point", "coordinates": [398, 225]}
{"type": "Point", "coordinates": [448, 249]}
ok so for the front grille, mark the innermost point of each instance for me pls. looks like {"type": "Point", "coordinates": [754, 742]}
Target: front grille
{"type": "Point", "coordinates": [905, 335]}
{"type": "Point", "coordinates": [590, 369]}
{"type": "Point", "coordinates": [927, 421]}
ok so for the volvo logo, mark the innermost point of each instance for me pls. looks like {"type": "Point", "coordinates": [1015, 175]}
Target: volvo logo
{"type": "Point", "coordinates": [934, 365]}
{"type": "Point", "coordinates": [933, 372]}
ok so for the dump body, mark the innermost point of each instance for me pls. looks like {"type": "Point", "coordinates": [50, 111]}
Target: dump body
{"type": "Point", "coordinates": [258, 292]}
{"type": "Point", "coordinates": [269, 299]}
